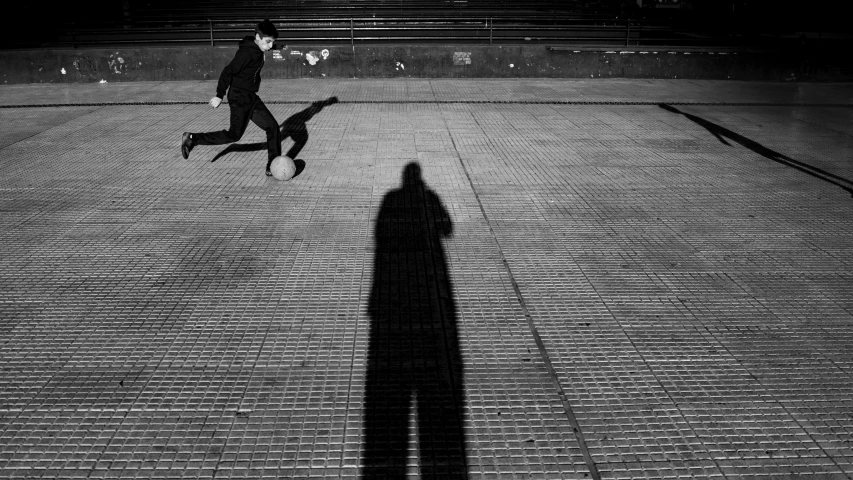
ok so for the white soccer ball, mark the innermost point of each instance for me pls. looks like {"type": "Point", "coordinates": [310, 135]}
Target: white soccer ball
{"type": "Point", "coordinates": [282, 168]}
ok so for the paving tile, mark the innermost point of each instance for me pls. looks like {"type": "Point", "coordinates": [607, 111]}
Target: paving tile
{"type": "Point", "coordinates": [621, 291]}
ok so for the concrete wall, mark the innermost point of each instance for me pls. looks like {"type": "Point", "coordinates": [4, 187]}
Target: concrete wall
{"type": "Point", "coordinates": [420, 61]}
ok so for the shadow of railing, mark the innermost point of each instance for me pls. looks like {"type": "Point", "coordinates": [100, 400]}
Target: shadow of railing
{"type": "Point", "coordinates": [723, 134]}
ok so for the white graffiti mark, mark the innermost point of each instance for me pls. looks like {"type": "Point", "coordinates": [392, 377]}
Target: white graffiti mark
{"type": "Point", "coordinates": [400, 66]}
{"type": "Point", "coordinates": [62, 70]}
{"type": "Point", "coordinates": [312, 57]}
{"type": "Point", "coordinates": [462, 58]}
{"type": "Point", "coordinates": [116, 63]}
{"type": "Point", "coordinates": [276, 55]}
{"type": "Point", "coordinates": [85, 67]}
{"type": "Point", "coordinates": [325, 53]}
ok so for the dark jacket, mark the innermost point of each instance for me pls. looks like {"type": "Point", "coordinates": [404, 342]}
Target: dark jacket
{"type": "Point", "coordinates": [244, 71]}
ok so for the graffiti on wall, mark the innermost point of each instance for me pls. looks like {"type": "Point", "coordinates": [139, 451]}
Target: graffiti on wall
{"type": "Point", "coordinates": [462, 58]}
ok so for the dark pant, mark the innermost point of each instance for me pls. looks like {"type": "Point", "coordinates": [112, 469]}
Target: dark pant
{"type": "Point", "coordinates": [245, 106]}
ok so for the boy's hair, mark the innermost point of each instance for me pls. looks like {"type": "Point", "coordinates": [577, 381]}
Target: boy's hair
{"type": "Point", "coordinates": [266, 29]}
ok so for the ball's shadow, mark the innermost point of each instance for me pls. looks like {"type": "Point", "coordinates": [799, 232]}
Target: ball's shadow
{"type": "Point", "coordinates": [300, 166]}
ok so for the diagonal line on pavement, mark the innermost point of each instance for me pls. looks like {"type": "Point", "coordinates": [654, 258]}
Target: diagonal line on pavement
{"type": "Point", "coordinates": [543, 352]}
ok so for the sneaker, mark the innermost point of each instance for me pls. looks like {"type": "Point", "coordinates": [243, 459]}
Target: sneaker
{"type": "Point", "coordinates": [187, 144]}
{"type": "Point", "coordinates": [269, 173]}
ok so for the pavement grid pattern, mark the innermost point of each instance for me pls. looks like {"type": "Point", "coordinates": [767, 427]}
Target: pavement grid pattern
{"type": "Point", "coordinates": [466, 279]}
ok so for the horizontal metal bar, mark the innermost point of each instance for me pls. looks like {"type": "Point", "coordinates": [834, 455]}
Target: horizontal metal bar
{"type": "Point", "coordinates": [471, 21]}
{"type": "Point", "coordinates": [463, 102]}
{"type": "Point", "coordinates": [611, 43]}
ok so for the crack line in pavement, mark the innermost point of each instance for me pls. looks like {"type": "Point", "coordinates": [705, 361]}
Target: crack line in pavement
{"type": "Point", "coordinates": [543, 352]}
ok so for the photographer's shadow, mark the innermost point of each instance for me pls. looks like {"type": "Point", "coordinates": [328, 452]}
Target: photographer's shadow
{"type": "Point", "coordinates": [414, 364]}
{"type": "Point", "coordinates": [294, 127]}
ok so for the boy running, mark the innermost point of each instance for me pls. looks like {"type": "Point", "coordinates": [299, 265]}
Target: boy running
{"type": "Point", "coordinates": [242, 79]}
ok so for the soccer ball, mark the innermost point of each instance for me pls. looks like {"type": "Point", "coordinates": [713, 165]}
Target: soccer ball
{"type": "Point", "coordinates": [282, 168]}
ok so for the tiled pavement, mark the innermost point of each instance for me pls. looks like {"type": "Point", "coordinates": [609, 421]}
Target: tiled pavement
{"type": "Point", "coordinates": [602, 290]}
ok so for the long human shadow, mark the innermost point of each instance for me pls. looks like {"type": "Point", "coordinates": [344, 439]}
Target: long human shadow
{"type": "Point", "coordinates": [413, 357]}
{"type": "Point", "coordinates": [723, 133]}
{"type": "Point", "coordinates": [294, 127]}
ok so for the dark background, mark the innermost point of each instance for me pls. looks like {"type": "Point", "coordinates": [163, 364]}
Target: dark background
{"type": "Point", "coordinates": [42, 21]}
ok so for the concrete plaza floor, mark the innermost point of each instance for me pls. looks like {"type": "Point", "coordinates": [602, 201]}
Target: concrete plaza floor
{"type": "Point", "coordinates": [571, 281]}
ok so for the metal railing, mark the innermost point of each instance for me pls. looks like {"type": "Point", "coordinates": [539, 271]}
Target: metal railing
{"type": "Point", "coordinates": [490, 30]}
{"type": "Point", "coordinates": [552, 22]}
{"type": "Point", "coordinates": [335, 22]}
{"type": "Point", "coordinates": [219, 9]}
